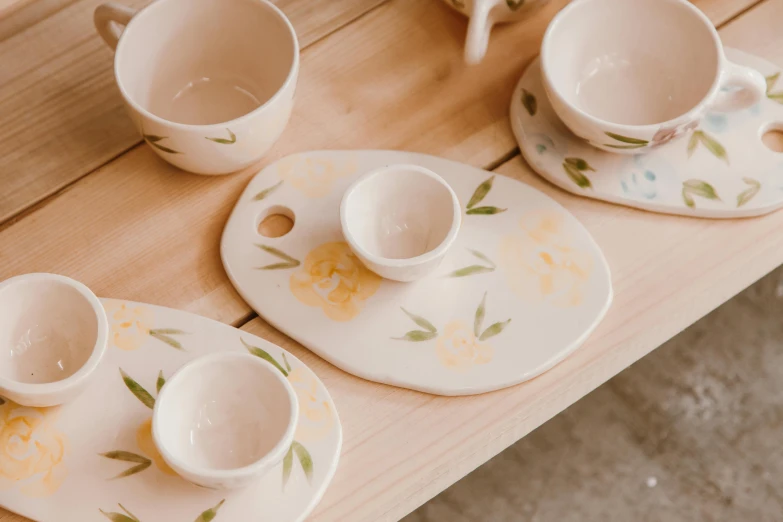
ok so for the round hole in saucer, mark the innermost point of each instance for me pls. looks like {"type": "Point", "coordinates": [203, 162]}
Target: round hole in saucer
{"type": "Point", "coordinates": [276, 221]}
{"type": "Point", "coordinates": [772, 137]}
{"type": "Point", "coordinates": [48, 331]}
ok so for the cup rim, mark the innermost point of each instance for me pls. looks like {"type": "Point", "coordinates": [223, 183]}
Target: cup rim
{"type": "Point", "coordinates": [647, 127]}
{"type": "Point", "coordinates": [274, 455]}
{"type": "Point", "coordinates": [98, 350]}
{"type": "Point", "coordinates": [148, 11]}
{"type": "Point", "coordinates": [388, 262]}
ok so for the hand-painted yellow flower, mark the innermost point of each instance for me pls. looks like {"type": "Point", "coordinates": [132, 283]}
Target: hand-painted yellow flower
{"type": "Point", "coordinates": [316, 418]}
{"type": "Point", "coordinates": [542, 263]}
{"type": "Point", "coordinates": [314, 177]}
{"type": "Point", "coordinates": [333, 278]}
{"type": "Point", "coordinates": [130, 325]}
{"type": "Point", "coordinates": [459, 349]}
{"type": "Point", "coordinates": [147, 446]}
{"type": "Point", "coordinates": [31, 450]}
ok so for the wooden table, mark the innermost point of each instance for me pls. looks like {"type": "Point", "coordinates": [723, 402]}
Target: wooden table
{"type": "Point", "coordinates": [79, 195]}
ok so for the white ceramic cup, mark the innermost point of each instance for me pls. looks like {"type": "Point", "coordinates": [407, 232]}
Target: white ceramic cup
{"type": "Point", "coordinates": [53, 334]}
{"type": "Point", "coordinates": [223, 420]}
{"type": "Point", "coordinates": [400, 220]}
{"type": "Point", "coordinates": [629, 75]}
{"type": "Point", "coordinates": [208, 83]}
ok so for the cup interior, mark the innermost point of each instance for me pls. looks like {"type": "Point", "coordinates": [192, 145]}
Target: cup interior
{"type": "Point", "coordinates": [207, 61]}
{"type": "Point", "coordinates": [225, 413]}
{"type": "Point", "coordinates": [632, 62]}
{"type": "Point", "coordinates": [48, 330]}
{"type": "Point", "coordinates": [400, 212]}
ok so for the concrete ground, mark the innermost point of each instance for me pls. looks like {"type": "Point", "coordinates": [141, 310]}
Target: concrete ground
{"type": "Point", "coordinates": [692, 432]}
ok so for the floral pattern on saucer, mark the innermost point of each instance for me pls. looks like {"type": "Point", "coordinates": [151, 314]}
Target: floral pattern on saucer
{"type": "Point", "coordinates": [55, 462]}
{"type": "Point", "coordinates": [718, 168]}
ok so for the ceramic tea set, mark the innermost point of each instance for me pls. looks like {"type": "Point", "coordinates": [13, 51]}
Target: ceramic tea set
{"type": "Point", "coordinates": [400, 268]}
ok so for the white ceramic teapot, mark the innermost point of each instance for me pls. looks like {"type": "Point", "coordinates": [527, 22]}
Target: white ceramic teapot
{"type": "Point", "coordinates": [486, 13]}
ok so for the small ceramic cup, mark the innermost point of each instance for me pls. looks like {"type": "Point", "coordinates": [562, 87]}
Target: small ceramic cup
{"type": "Point", "coordinates": [223, 420]}
{"type": "Point", "coordinates": [484, 14]}
{"type": "Point", "coordinates": [53, 334]}
{"type": "Point", "coordinates": [400, 220]}
{"type": "Point", "coordinates": [208, 83]}
{"type": "Point", "coordinates": [630, 75]}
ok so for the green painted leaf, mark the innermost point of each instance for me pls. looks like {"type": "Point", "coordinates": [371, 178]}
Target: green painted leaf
{"type": "Point", "coordinates": [223, 141]}
{"type": "Point", "coordinates": [749, 193]}
{"type": "Point", "coordinates": [125, 456]}
{"type": "Point", "coordinates": [290, 262]}
{"type": "Point", "coordinates": [529, 101]}
{"type": "Point", "coordinates": [160, 335]}
{"type": "Point", "coordinates": [279, 266]}
{"type": "Point", "coordinates": [417, 336]}
{"type": "Point", "coordinates": [771, 80]}
{"type": "Point", "coordinates": [777, 97]}
{"type": "Point", "coordinates": [305, 460]}
{"type": "Point", "coordinates": [713, 145]}
{"type": "Point", "coordinates": [153, 138]}
{"type": "Point", "coordinates": [133, 470]}
{"type": "Point", "coordinates": [210, 514]}
{"type": "Point", "coordinates": [420, 321]}
{"type": "Point", "coordinates": [687, 198]}
{"type": "Point", "coordinates": [515, 5]}
{"type": "Point", "coordinates": [264, 193]}
{"type": "Point", "coordinates": [540, 148]}
{"type": "Point", "coordinates": [479, 319]}
{"type": "Point", "coordinates": [485, 211]}
{"type": "Point", "coordinates": [119, 517]}
{"type": "Point", "coordinates": [162, 147]}
{"type": "Point", "coordinates": [169, 331]}
{"type": "Point", "coordinates": [482, 257]}
{"type": "Point", "coordinates": [693, 143]}
{"type": "Point", "coordinates": [481, 192]}
{"type": "Point", "coordinates": [285, 361]}
{"type": "Point", "coordinates": [577, 177]}
{"type": "Point", "coordinates": [493, 330]}
{"type": "Point", "coordinates": [471, 270]}
{"type": "Point", "coordinates": [258, 352]}
{"type": "Point", "coordinates": [579, 164]}
{"type": "Point", "coordinates": [626, 139]}
{"type": "Point", "coordinates": [701, 188]}
{"type": "Point", "coordinates": [288, 464]}
{"type": "Point", "coordinates": [136, 389]}
{"type": "Point", "coordinates": [628, 147]}
{"type": "Point", "coordinates": [160, 382]}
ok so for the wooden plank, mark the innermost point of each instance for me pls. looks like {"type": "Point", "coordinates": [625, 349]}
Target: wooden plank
{"type": "Point", "coordinates": [394, 79]}
{"type": "Point", "coordinates": [61, 115]}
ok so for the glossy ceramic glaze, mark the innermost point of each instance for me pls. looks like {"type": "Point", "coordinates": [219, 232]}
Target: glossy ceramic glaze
{"type": "Point", "coordinates": [631, 75]}
{"type": "Point", "coordinates": [721, 169]}
{"type": "Point", "coordinates": [224, 420]}
{"type": "Point", "coordinates": [400, 221]}
{"type": "Point", "coordinates": [94, 458]}
{"type": "Point", "coordinates": [53, 333]}
{"type": "Point", "coordinates": [208, 83]}
{"type": "Point", "coordinates": [486, 13]}
{"type": "Point", "coordinates": [521, 288]}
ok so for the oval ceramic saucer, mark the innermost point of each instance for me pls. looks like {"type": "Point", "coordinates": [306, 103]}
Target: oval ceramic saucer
{"type": "Point", "coordinates": [522, 286]}
{"type": "Point", "coordinates": [722, 170]}
{"type": "Point", "coordinates": [94, 458]}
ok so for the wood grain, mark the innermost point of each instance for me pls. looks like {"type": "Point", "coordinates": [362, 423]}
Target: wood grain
{"type": "Point", "coordinates": [393, 78]}
{"type": "Point", "coordinates": [61, 116]}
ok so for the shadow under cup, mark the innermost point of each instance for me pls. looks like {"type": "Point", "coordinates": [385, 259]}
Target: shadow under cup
{"type": "Point", "coordinates": [633, 62]}
{"type": "Point", "coordinates": [205, 62]}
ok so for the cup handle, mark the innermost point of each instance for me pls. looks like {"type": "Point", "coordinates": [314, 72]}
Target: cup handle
{"type": "Point", "coordinates": [478, 30]}
{"type": "Point", "coordinates": [105, 18]}
{"type": "Point", "coordinates": [752, 88]}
